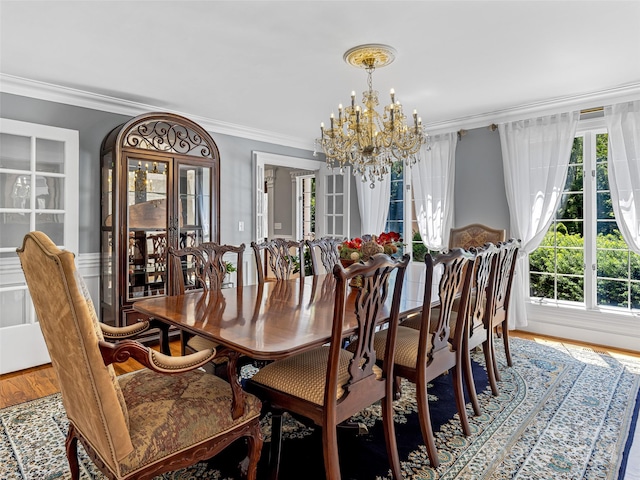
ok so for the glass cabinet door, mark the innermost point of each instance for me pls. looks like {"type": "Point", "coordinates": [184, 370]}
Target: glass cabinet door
{"type": "Point", "coordinates": [147, 226]}
{"type": "Point", "coordinates": [194, 205]}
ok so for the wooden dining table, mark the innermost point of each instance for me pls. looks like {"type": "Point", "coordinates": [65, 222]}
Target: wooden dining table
{"type": "Point", "coordinates": [272, 320]}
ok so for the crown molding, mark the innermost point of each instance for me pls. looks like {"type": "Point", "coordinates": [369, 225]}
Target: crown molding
{"type": "Point", "coordinates": [70, 96]}
{"type": "Point", "coordinates": [623, 93]}
{"type": "Point", "coordinates": [79, 98]}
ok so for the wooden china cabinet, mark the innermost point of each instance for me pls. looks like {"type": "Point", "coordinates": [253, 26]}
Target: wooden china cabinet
{"type": "Point", "coordinates": [160, 187]}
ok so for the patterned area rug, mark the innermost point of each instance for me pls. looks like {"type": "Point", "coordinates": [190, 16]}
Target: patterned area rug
{"type": "Point", "coordinates": [562, 413]}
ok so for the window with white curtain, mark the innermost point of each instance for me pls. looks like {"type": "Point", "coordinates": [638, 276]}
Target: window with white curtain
{"type": "Point", "coordinates": [402, 219]}
{"type": "Point", "coordinates": [583, 259]}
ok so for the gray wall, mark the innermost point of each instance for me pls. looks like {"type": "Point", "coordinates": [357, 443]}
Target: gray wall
{"type": "Point", "coordinates": [479, 186]}
{"type": "Point", "coordinates": [236, 165]}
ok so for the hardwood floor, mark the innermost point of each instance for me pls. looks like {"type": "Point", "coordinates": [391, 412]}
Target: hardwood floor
{"type": "Point", "coordinates": [32, 383]}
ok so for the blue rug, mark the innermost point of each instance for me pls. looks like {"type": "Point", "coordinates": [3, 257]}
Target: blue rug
{"type": "Point", "coordinates": [562, 413]}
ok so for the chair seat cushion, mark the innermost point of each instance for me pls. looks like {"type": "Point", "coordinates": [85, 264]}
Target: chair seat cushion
{"type": "Point", "coordinates": [197, 344]}
{"type": "Point", "coordinates": [169, 413]}
{"type": "Point", "coordinates": [304, 375]}
{"type": "Point", "coordinates": [407, 340]}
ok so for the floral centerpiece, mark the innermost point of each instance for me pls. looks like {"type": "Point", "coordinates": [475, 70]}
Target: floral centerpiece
{"type": "Point", "coordinates": [359, 249]}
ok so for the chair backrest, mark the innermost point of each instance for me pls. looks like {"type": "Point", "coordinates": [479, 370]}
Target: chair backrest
{"type": "Point", "coordinates": [203, 266]}
{"type": "Point", "coordinates": [282, 258]}
{"type": "Point", "coordinates": [369, 303]}
{"type": "Point", "coordinates": [505, 269]}
{"type": "Point", "coordinates": [484, 272]}
{"type": "Point", "coordinates": [329, 253]}
{"type": "Point", "coordinates": [453, 275]}
{"type": "Point", "coordinates": [90, 392]}
{"type": "Point", "coordinates": [474, 235]}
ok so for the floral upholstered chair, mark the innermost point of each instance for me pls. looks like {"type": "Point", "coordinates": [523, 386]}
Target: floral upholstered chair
{"type": "Point", "coordinates": [154, 420]}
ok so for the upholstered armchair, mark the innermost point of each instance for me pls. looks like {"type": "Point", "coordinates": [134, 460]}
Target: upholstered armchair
{"type": "Point", "coordinates": [161, 418]}
{"type": "Point", "coordinates": [474, 235]}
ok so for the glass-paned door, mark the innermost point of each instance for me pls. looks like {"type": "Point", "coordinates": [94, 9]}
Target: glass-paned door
{"type": "Point", "coordinates": [38, 191]}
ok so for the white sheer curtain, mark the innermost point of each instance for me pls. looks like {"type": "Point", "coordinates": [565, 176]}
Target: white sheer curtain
{"type": "Point", "coordinates": [623, 124]}
{"type": "Point", "coordinates": [373, 204]}
{"type": "Point", "coordinates": [535, 155]}
{"type": "Point", "coordinates": [433, 179]}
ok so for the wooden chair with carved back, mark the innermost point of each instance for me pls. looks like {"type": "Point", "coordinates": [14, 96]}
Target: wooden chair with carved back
{"type": "Point", "coordinates": [327, 247]}
{"type": "Point", "coordinates": [337, 383]}
{"type": "Point", "coordinates": [436, 345]}
{"type": "Point", "coordinates": [203, 267]}
{"type": "Point", "coordinates": [279, 259]}
{"type": "Point", "coordinates": [192, 413]}
{"type": "Point", "coordinates": [501, 295]}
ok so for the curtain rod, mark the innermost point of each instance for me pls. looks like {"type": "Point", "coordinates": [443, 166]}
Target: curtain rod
{"type": "Point", "coordinates": [493, 127]}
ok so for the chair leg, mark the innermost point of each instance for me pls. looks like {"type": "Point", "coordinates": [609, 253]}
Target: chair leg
{"type": "Point", "coordinates": [390, 434]}
{"type": "Point", "coordinates": [184, 339]}
{"type": "Point", "coordinates": [489, 353]}
{"type": "Point", "coordinates": [397, 387]}
{"type": "Point", "coordinates": [471, 386]}
{"type": "Point", "coordinates": [249, 466]}
{"type": "Point", "coordinates": [494, 358]}
{"type": "Point", "coordinates": [505, 339]}
{"type": "Point", "coordinates": [71, 445]}
{"type": "Point", "coordinates": [425, 422]}
{"type": "Point", "coordinates": [330, 448]}
{"type": "Point", "coordinates": [276, 440]}
{"type": "Point", "coordinates": [460, 404]}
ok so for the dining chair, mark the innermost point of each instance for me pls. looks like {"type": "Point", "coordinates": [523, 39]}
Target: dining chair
{"type": "Point", "coordinates": [328, 385]}
{"type": "Point", "coordinates": [474, 235]}
{"type": "Point", "coordinates": [484, 273]}
{"type": "Point", "coordinates": [499, 312]}
{"type": "Point", "coordinates": [329, 253]}
{"type": "Point", "coordinates": [164, 417]}
{"type": "Point", "coordinates": [279, 257]}
{"type": "Point", "coordinates": [203, 267]}
{"type": "Point", "coordinates": [437, 346]}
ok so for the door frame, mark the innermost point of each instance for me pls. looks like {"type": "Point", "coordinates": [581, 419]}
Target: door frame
{"type": "Point", "coordinates": [260, 159]}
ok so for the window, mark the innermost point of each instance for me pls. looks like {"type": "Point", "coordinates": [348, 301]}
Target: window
{"type": "Point", "coordinates": [399, 216]}
{"type": "Point", "coordinates": [583, 258]}
{"type": "Point", "coordinates": [395, 219]}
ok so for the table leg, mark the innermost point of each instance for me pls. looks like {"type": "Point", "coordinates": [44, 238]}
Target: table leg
{"type": "Point", "coordinates": [237, 407]}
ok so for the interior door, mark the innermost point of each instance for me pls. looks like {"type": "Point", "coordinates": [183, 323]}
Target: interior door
{"type": "Point", "coordinates": [38, 191]}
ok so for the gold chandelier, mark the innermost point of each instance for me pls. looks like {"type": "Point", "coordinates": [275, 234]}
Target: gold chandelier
{"type": "Point", "coordinates": [369, 141]}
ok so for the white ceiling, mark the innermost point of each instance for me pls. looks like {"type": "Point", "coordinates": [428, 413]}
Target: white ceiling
{"type": "Point", "coordinates": [277, 66]}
